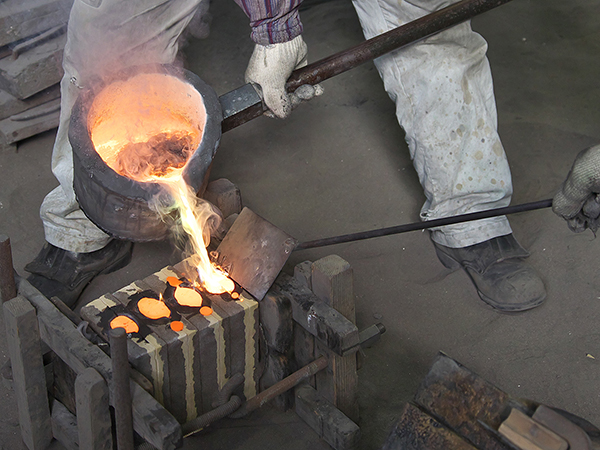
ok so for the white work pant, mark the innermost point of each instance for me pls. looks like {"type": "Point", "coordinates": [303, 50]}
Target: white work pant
{"type": "Point", "coordinates": [104, 36]}
{"type": "Point", "coordinates": [442, 87]}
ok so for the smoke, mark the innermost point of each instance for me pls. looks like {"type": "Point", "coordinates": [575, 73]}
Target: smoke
{"type": "Point", "coordinates": [192, 220]}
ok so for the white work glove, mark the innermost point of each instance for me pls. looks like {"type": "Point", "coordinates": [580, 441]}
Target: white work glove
{"type": "Point", "coordinates": [270, 66]}
{"type": "Point", "coordinates": [578, 201]}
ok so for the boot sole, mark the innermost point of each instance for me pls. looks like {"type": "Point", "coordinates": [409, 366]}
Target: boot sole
{"type": "Point", "coordinates": [453, 264]}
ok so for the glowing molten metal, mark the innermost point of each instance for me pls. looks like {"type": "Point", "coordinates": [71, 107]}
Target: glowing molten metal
{"type": "Point", "coordinates": [153, 308]}
{"type": "Point", "coordinates": [146, 128]}
{"type": "Point", "coordinates": [125, 322]}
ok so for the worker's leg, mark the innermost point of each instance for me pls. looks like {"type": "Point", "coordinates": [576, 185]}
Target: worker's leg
{"type": "Point", "coordinates": [101, 39]}
{"type": "Point", "coordinates": [443, 90]}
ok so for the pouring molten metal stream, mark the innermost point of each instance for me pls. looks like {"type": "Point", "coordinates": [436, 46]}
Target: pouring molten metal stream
{"type": "Point", "coordinates": [146, 128]}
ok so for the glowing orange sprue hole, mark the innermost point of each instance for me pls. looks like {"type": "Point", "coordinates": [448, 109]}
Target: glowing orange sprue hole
{"type": "Point", "coordinates": [177, 325]}
{"type": "Point", "coordinates": [153, 308]}
{"type": "Point", "coordinates": [206, 310]}
{"type": "Point", "coordinates": [188, 297]}
{"type": "Point", "coordinates": [125, 322]}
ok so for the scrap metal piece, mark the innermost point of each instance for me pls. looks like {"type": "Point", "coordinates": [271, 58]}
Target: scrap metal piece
{"type": "Point", "coordinates": [253, 252]}
{"type": "Point", "coordinates": [462, 400]}
{"type": "Point", "coordinates": [419, 431]}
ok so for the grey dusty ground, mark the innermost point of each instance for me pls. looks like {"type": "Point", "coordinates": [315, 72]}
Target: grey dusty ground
{"type": "Point", "coordinates": [340, 165]}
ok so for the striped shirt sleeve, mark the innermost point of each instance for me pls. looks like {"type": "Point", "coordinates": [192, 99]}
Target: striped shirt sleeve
{"type": "Point", "coordinates": [272, 21]}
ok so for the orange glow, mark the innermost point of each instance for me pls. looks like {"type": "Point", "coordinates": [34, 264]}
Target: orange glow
{"type": "Point", "coordinates": [206, 310]}
{"type": "Point", "coordinates": [188, 297]}
{"type": "Point", "coordinates": [153, 308]}
{"type": "Point", "coordinates": [146, 128]}
{"type": "Point", "coordinates": [125, 322]}
{"type": "Point", "coordinates": [174, 281]}
{"type": "Point", "coordinates": [176, 325]}
{"type": "Point", "coordinates": [194, 214]}
{"type": "Point", "coordinates": [235, 295]}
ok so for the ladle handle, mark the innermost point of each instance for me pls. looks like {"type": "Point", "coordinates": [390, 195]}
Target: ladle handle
{"type": "Point", "coordinates": [245, 103]}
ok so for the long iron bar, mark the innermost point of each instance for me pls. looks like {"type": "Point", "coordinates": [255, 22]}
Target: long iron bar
{"type": "Point", "coordinates": [425, 225]}
{"type": "Point", "coordinates": [121, 389]}
{"type": "Point", "coordinates": [392, 40]}
{"type": "Point", "coordinates": [282, 386]}
{"type": "Point", "coordinates": [220, 412]}
{"type": "Point", "coordinates": [8, 288]}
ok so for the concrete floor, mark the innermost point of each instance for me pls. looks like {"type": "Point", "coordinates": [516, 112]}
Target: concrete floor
{"type": "Point", "coordinates": [339, 164]}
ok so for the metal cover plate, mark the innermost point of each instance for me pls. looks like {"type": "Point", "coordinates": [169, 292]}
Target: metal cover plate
{"type": "Point", "coordinates": [254, 251]}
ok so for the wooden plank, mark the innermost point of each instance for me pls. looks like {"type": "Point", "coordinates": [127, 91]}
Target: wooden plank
{"type": "Point", "coordinates": [64, 427]}
{"type": "Point", "coordinates": [150, 419]}
{"type": "Point", "coordinates": [31, 122]}
{"type": "Point", "coordinates": [332, 282]}
{"type": "Point", "coordinates": [527, 434]}
{"type": "Point", "coordinates": [20, 19]}
{"type": "Point", "coordinates": [93, 415]}
{"type": "Point", "coordinates": [29, 379]}
{"type": "Point", "coordinates": [304, 342]}
{"type": "Point", "coordinates": [38, 39]}
{"type": "Point", "coordinates": [277, 367]}
{"type": "Point", "coordinates": [11, 105]}
{"type": "Point", "coordinates": [277, 322]}
{"type": "Point", "coordinates": [321, 320]}
{"type": "Point", "coordinates": [326, 420]}
{"type": "Point", "coordinates": [303, 273]}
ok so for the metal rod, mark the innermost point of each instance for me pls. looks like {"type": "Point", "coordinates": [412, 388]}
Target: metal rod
{"type": "Point", "coordinates": [282, 386]}
{"type": "Point", "coordinates": [121, 389]}
{"type": "Point", "coordinates": [392, 40]}
{"type": "Point", "coordinates": [425, 225]}
{"type": "Point", "coordinates": [220, 412]}
{"type": "Point", "coordinates": [8, 288]}
{"type": "Point", "coordinates": [244, 104]}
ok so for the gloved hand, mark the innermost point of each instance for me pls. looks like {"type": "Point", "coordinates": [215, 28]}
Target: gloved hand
{"type": "Point", "coordinates": [578, 201]}
{"type": "Point", "coordinates": [270, 66]}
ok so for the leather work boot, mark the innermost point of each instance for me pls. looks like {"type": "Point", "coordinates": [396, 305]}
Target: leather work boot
{"type": "Point", "coordinates": [64, 274]}
{"type": "Point", "coordinates": [496, 268]}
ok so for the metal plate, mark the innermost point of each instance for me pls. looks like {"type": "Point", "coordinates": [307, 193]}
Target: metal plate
{"type": "Point", "coordinates": [253, 252]}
